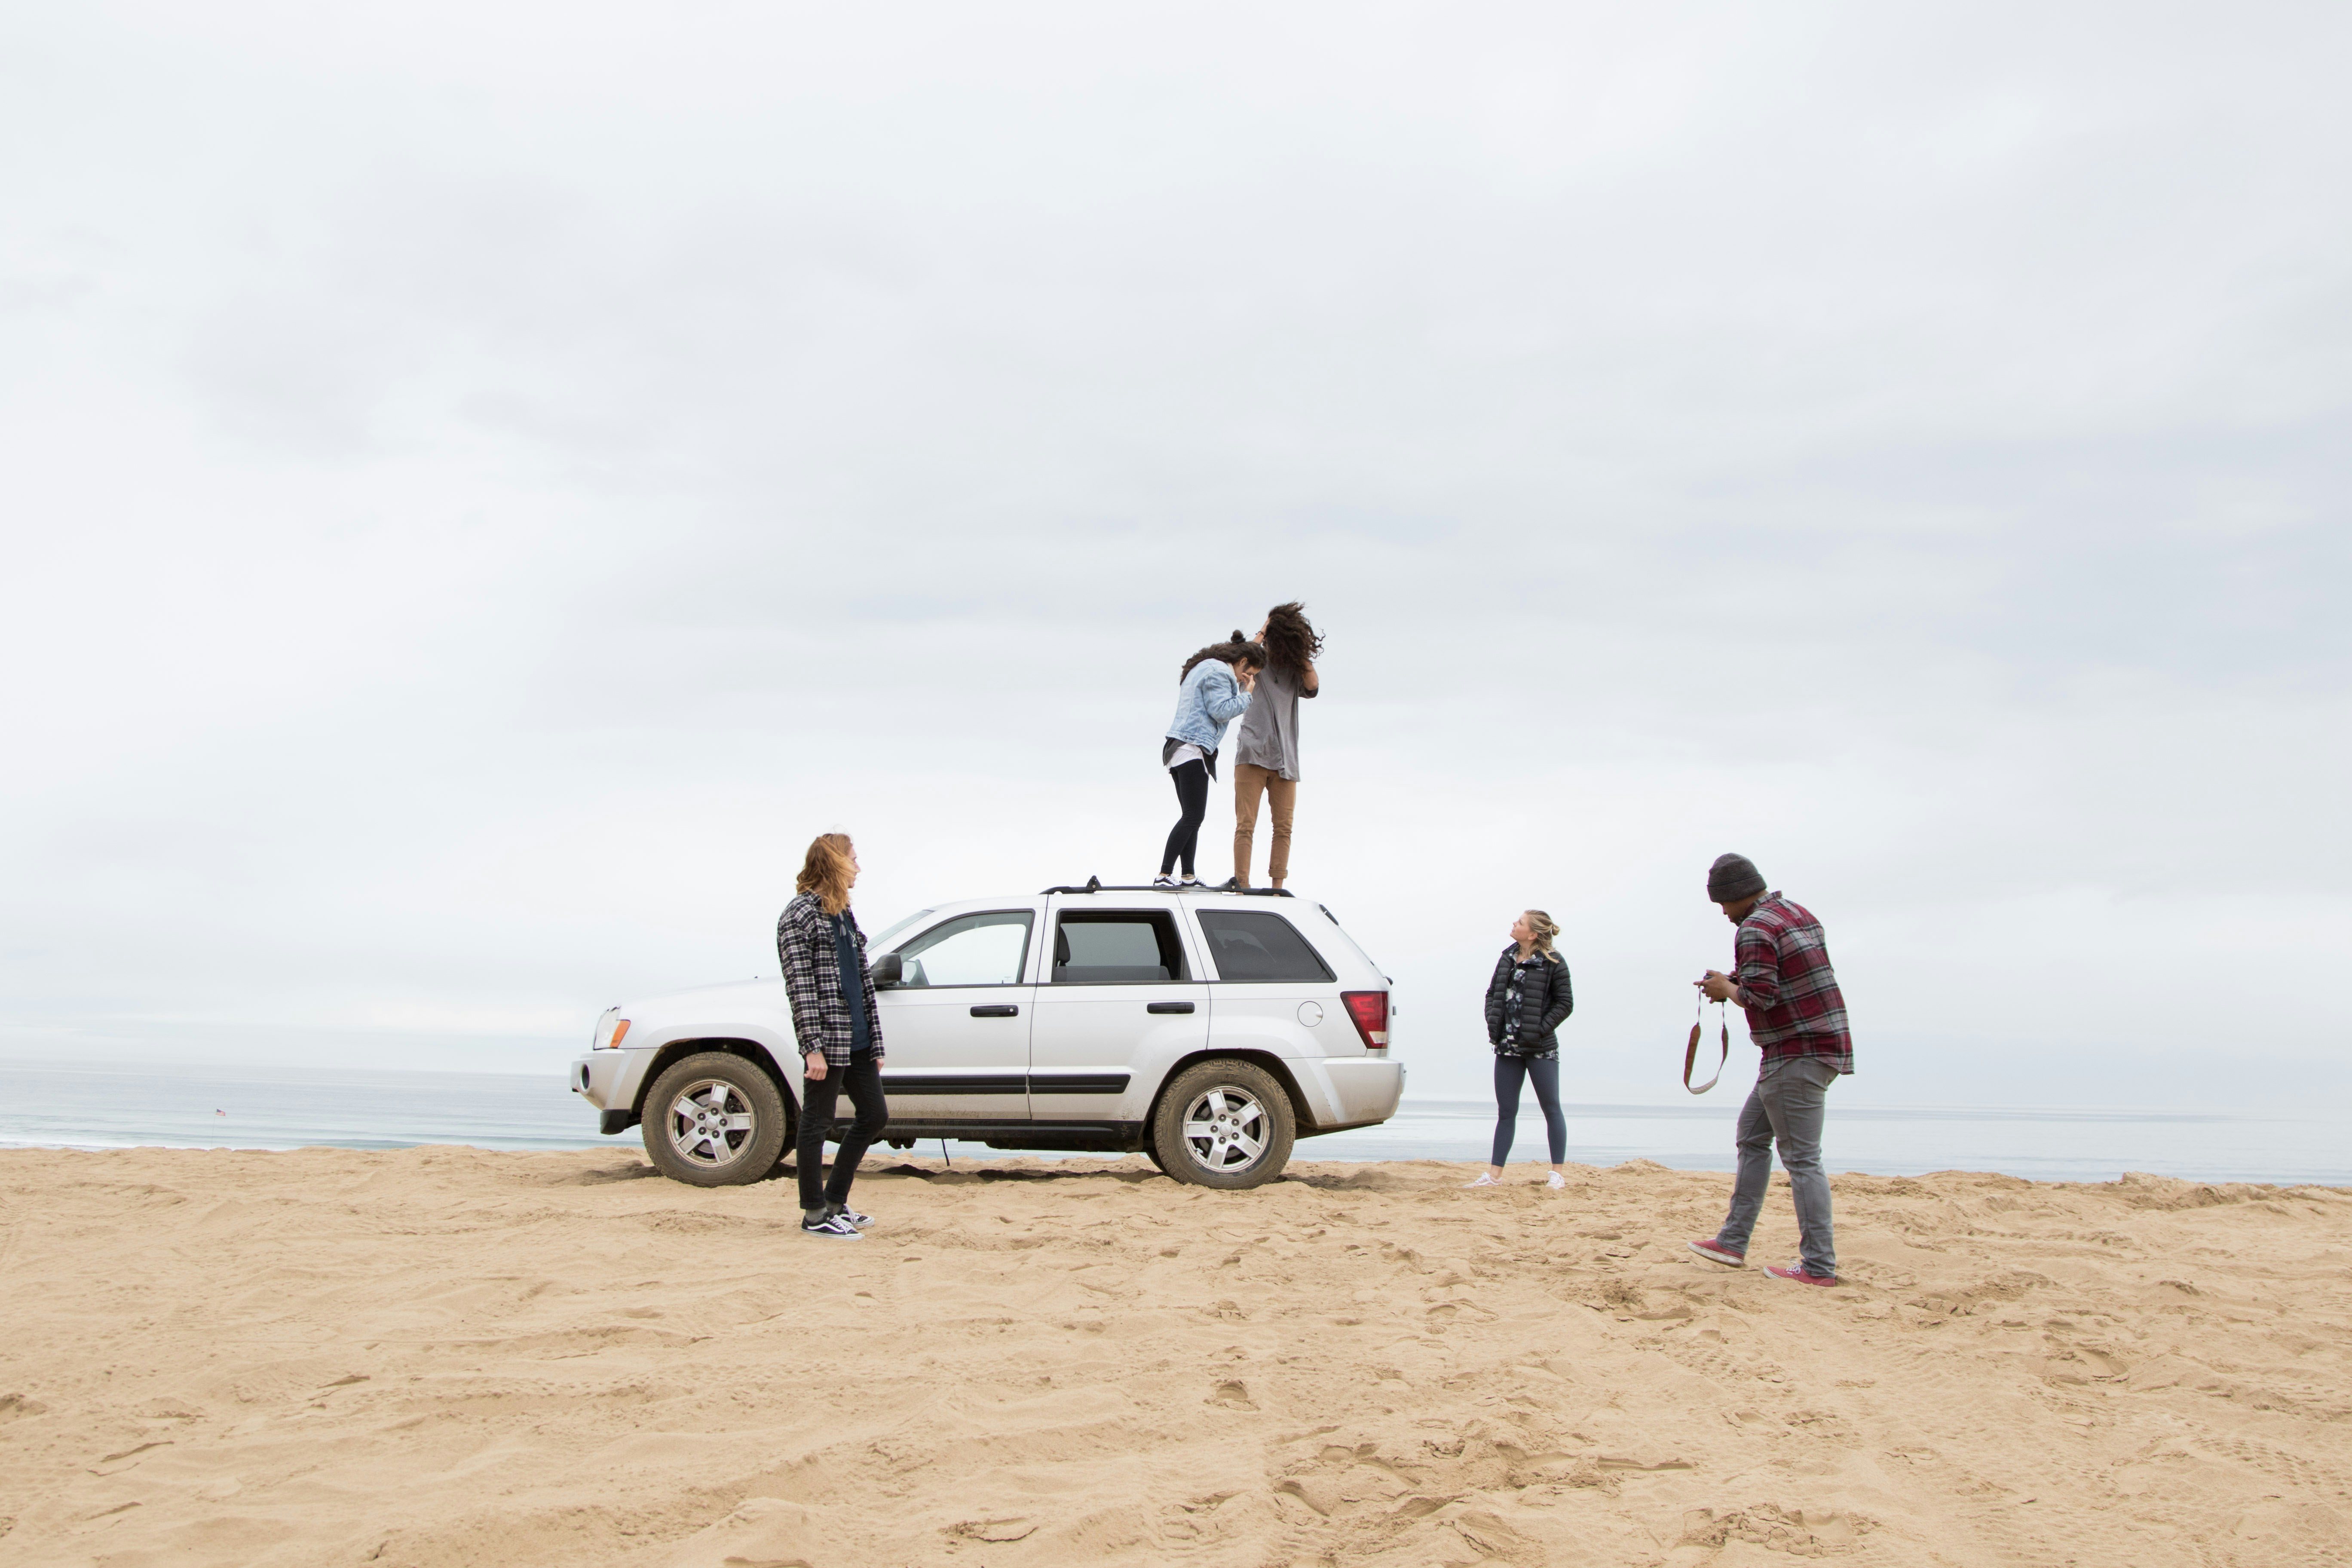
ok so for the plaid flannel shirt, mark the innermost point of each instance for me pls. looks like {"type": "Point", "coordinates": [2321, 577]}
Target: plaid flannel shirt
{"type": "Point", "coordinates": [821, 1016]}
{"type": "Point", "coordinates": [1786, 986]}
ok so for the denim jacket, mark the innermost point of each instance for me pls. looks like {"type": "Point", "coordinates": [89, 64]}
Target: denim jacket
{"type": "Point", "coordinates": [1208, 699]}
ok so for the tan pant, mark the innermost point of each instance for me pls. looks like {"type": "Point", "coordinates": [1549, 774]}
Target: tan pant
{"type": "Point", "coordinates": [1249, 783]}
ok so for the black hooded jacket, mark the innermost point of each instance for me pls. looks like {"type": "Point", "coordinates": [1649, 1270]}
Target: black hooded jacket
{"type": "Point", "coordinates": [1544, 1003]}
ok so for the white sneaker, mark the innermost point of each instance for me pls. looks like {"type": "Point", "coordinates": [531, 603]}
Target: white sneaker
{"type": "Point", "coordinates": [1485, 1179]}
{"type": "Point", "coordinates": [1557, 1181]}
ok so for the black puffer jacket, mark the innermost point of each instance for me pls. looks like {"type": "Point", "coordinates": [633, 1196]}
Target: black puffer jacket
{"type": "Point", "coordinates": [1543, 1004]}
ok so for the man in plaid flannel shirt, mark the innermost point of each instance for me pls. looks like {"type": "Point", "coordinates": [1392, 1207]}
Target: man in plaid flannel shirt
{"type": "Point", "coordinates": [1797, 1018]}
{"type": "Point", "coordinates": [839, 1025]}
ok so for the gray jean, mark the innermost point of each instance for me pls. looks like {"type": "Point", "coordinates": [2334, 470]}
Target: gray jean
{"type": "Point", "coordinates": [1786, 1104]}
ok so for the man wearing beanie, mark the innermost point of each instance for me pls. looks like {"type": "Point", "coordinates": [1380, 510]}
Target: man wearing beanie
{"type": "Point", "coordinates": [1784, 983]}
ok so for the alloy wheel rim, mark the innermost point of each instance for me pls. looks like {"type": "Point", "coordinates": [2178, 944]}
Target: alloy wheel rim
{"type": "Point", "coordinates": [710, 1123]}
{"type": "Point", "coordinates": [1225, 1129]}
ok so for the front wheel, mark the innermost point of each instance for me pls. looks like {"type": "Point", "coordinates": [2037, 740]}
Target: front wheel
{"type": "Point", "coordinates": [1223, 1123]}
{"type": "Point", "coordinates": [714, 1120]}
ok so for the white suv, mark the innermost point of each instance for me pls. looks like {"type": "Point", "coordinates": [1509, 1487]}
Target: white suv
{"type": "Point", "coordinates": [1205, 1029]}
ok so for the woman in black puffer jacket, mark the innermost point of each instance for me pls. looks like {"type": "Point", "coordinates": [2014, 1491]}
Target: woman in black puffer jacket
{"type": "Point", "coordinates": [1526, 1002]}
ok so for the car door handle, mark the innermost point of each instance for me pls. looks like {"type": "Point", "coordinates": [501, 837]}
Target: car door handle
{"type": "Point", "coordinates": [1168, 1006]}
{"type": "Point", "coordinates": [997, 1010]}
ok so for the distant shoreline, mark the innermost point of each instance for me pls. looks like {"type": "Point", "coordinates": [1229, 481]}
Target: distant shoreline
{"type": "Point", "coordinates": [64, 1106]}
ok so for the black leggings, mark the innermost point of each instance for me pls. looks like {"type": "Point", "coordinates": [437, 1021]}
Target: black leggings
{"type": "Point", "coordinates": [1192, 781]}
{"type": "Point", "coordinates": [1544, 1073]}
{"type": "Point", "coordinates": [818, 1097]}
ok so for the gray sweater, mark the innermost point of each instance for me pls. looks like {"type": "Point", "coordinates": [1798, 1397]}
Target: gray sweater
{"type": "Point", "coordinates": [1269, 732]}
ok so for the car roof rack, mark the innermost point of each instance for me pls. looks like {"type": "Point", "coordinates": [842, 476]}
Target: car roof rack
{"type": "Point", "coordinates": [1096, 885]}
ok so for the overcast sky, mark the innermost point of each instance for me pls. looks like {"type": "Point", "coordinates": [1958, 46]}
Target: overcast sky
{"type": "Point", "coordinates": [485, 483]}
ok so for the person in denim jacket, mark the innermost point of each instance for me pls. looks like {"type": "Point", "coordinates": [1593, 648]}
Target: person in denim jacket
{"type": "Point", "coordinates": [1213, 690]}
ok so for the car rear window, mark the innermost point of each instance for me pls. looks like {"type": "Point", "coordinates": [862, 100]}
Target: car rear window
{"type": "Point", "coordinates": [1252, 946]}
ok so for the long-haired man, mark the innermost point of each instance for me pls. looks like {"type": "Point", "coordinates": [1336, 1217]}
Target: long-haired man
{"type": "Point", "coordinates": [839, 1027]}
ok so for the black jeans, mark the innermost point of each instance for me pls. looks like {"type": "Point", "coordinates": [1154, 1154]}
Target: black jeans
{"type": "Point", "coordinates": [1544, 1073]}
{"type": "Point", "coordinates": [1191, 781]}
{"type": "Point", "coordinates": [818, 1097]}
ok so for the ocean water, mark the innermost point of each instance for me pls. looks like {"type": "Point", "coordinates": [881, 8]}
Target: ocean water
{"type": "Point", "coordinates": [2045, 1144]}
{"type": "Point", "coordinates": [122, 1106]}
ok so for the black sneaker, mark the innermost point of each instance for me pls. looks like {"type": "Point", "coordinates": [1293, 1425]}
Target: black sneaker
{"type": "Point", "coordinates": [860, 1220]}
{"type": "Point", "coordinates": [834, 1225]}
{"type": "Point", "coordinates": [1163, 881]}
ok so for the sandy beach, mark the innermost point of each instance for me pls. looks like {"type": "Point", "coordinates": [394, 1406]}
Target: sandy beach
{"type": "Point", "coordinates": [445, 1356]}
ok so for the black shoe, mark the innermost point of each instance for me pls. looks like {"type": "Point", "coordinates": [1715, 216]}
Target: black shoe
{"type": "Point", "coordinates": [832, 1225]}
{"type": "Point", "coordinates": [860, 1220]}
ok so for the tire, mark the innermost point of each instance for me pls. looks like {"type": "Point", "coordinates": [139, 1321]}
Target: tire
{"type": "Point", "coordinates": [714, 1120]}
{"type": "Point", "coordinates": [1244, 1123]}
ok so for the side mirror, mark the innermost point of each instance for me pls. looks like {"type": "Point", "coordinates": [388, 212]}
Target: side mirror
{"type": "Point", "coordinates": [885, 969]}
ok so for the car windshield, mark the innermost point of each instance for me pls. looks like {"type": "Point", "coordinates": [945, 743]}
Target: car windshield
{"type": "Point", "coordinates": [882, 943]}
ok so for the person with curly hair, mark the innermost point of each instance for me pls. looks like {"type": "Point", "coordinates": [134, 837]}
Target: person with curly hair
{"type": "Point", "coordinates": [1265, 755]}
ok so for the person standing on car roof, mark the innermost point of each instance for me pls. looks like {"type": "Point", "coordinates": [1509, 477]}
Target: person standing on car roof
{"type": "Point", "coordinates": [1212, 690]}
{"type": "Point", "coordinates": [839, 1027]}
{"type": "Point", "coordinates": [1796, 1015]}
{"type": "Point", "coordinates": [1266, 751]}
{"type": "Point", "coordinates": [1526, 1000]}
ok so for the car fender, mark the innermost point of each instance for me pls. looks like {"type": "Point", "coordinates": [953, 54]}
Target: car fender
{"type": "Point", "coordinates": [1304, 1106]}
{"type": "Point", "coordinates": [736, 1036]}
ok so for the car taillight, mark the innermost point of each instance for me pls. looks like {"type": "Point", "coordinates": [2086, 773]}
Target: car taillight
{"type": "Point", "coordinates": [1370, 1009]}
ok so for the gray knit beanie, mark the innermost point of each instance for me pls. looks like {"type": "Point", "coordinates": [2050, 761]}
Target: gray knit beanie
{"type": "Point", "coordinates": [1731, 879]}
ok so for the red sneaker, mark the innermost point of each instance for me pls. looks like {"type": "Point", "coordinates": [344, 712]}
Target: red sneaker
{"type": "Point", "coordinates": [1796, 1271]}
{"type": "Point", "coordinates": [1723, 1254]}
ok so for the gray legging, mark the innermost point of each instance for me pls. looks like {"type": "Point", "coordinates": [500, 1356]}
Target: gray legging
{"type": "Point", "coordinates": [1544, 1073]}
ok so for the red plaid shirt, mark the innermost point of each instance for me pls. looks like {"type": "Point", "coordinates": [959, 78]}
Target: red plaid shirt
{"type": "Point", "coordinates": [1787, 986]}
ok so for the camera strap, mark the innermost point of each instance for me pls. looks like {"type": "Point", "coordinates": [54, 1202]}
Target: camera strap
{"type": "Point", "coordinates": [1690, 1051]}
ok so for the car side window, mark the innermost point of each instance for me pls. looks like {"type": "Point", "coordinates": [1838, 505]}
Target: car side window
{"type": "Point", "coordinates": [970, 949]}
{"type": "Point", "coordinates": [1117, 947]}
{"type": "Point", "coordinates": [1253, 946]}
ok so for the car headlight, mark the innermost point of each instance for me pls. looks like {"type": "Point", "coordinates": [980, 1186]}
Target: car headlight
{"type": "Point", "coordinates": [610, 1030]}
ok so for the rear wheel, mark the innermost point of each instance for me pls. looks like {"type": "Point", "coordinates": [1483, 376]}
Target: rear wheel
{"type": "Point", "coordinates": [714, 1120]}
{"type": "Point", "coordinates": [1223, 1123]}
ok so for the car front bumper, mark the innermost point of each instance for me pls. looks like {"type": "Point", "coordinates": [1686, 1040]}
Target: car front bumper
{"type": "Point", "coordinates": [610, 1080]}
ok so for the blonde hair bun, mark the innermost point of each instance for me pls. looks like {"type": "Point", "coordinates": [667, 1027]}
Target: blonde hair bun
{"type": "Point", "coordinates": [1546, 927]}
